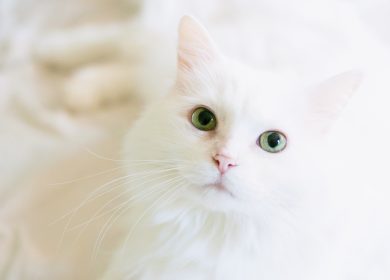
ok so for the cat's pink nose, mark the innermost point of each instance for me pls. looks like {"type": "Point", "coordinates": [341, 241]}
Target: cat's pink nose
{"type": "Point", "coordinates": [224, 163]}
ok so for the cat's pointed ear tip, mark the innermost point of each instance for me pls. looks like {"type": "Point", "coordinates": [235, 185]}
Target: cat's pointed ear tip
{"type": "Point", "coordinates": [187, 18]}
{"type": "Point", "coordinates": [188, 21]}
{"type": "Point", "coordinates": [356, 75]}
{"type": "Point", "coordinates": [195, 45]}
{"type": "Point", "coordinates": [349, 80]}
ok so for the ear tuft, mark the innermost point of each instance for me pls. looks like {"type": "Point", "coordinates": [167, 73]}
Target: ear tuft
{"type": "Point", "coordinates": [195, 44]}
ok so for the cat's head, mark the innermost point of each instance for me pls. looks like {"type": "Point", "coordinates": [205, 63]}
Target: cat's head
{"type": "Point", "coordinates": [231, 138]}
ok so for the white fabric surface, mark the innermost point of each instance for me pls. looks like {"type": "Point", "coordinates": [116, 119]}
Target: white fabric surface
{"type": "Point", "coordinates": [43, 134]}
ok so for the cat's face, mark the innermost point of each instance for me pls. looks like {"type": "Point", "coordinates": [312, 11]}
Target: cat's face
{"type": "Point", "coordinates": [233, 138]}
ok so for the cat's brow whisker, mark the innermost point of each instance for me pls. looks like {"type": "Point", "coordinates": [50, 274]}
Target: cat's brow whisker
{"type": "Point", "coordinates": [112, 220]}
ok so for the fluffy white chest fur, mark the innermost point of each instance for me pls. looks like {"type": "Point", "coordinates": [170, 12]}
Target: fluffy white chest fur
{"type": "Point", "coordinates": [180, 240]}
{"type": "Point", "coordinates": [183, 243]}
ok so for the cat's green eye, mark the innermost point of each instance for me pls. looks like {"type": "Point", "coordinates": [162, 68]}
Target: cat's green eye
{"type": "Point", "coordinates": [203, 119]}
{"type": "Point", "coordinates": [272, 141]}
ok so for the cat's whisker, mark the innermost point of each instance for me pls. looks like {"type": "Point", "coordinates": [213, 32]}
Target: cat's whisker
{"type": "Point", "coordinates": [112, 159]}
{"type": "Point", "coordinates": [97, 192]}
{"type": "Point", "coordinates": [112, 220]}
{"type": "Point", "coordinates": [173, 192]}
{"type": "Point", "coordinates": [100, 188]}
{"type": "Point", "coordinates": [153, 160]}
{"type": "Point", "coordinates": [68, 223]}
{"type": "Point", "coordinates": [156, 160]}
{"type": "Point", "coordinates": [174, 180]}
{"type": "Point", "coordinates": [86, 177]}
{"type": "Point", "coordinates": [134, 163]}
{"type": "Point", "coordinates": [119, 196]}
{"type": "Point", "coordinates": [96, 217]}
{"type": "Point", "coordinates": [89, 151]}
{"type": "Point", "coordinates": [165, 162]}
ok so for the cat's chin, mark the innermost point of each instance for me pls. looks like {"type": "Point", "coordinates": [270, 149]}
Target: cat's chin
{"type": "Point", "coordinates": [219, 187]}
{"type": "Point", "coordinates": [216, 198]}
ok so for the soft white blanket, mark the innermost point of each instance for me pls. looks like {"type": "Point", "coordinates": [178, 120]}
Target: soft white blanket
{"type": "Point", "coordinates": [72, 78]}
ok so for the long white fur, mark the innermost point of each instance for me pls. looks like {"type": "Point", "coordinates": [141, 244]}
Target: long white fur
{"type": "Point", "coordinates": [26, 26]}
{"type": "Point", "coordinates": [278, 222]}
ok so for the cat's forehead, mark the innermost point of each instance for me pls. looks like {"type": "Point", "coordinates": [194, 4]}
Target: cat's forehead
{"type": "Point", "coordinates": [238, 92]}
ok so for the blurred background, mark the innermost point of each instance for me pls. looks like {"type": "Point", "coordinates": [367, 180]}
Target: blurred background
{"type": "Point", "coordinates": [75, 74]}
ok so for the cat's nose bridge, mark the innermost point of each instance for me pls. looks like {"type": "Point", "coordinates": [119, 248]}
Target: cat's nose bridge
{"type": "Point", "coordinates": [228, 147]}
{"type": "Point", "coordinates": [224, 162]}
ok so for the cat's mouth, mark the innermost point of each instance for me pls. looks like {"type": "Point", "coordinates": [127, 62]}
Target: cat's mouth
{"type": "Point", "coordinates": [220, 187]}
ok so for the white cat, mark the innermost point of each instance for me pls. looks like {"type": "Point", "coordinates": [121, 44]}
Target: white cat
{"type": "Point", "coordinates": [42, 33]}
{"type": "Point", "coordinates": [226, 176]}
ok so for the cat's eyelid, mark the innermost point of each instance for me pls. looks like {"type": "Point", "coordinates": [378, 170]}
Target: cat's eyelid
{"type": "Point", "coordinates": [194, 119]}
{"type": "Point", "coordinates": [196, 107]}
{"type": "Point", "coordinates": [263, 144]}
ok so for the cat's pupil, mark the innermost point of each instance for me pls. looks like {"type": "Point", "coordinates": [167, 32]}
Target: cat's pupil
{"type": "Point", "coordinates": [273, 140]}
{"type": "Point", "coordinates": [205, 118]}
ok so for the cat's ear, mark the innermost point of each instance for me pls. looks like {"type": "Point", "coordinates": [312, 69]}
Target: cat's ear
{"type": "Point", "coordinates": [195, 48]}
{"type": "Point", "coordinates": [327, 99]}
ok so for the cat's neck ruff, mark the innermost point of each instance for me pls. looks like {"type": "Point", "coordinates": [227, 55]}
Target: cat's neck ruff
{"type": "Point", "coordinates": [184, 235]}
